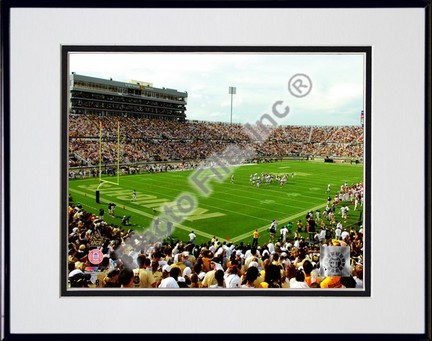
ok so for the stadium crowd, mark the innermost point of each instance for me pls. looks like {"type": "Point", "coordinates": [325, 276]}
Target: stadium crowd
{"type": "Point", "coordinates": [147, 140]}
{"type": "Point", "coordinates": [287, 259]}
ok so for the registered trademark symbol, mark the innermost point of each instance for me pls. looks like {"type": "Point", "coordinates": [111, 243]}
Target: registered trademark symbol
{"type": "Point", "coordinates": [300, 85]}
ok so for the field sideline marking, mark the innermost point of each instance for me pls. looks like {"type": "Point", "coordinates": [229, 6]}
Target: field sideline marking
{"type": "Point", "coordinates": [183, 227]}
{"type": "Point", "coordinates": [203, 205]}
{"type": "Point", "coordinates": [217, 208]}
{"type": "Point", "coordinates": [235, 239]}
{"type": "Point", "coordinates": [204, 234]}
{"type": "Point", "coordinates": [281, 221]}
{"type": "Point", "coordinates": [247, 188]}
{"type": "Point", "coordinates": [245, 198]}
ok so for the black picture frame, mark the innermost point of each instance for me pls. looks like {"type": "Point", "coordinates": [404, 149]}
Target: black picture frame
{"type": "Point", "coordinates": [8, 190]}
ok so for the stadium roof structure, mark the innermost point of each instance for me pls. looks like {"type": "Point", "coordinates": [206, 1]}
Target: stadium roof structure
{"type": "Point", "coordinates": [104, 81]}
{"type": "Point", "coordinates": [131, 85]}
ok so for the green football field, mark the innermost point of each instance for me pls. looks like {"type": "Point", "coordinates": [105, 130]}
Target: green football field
{"type": "Point", "coordinates": [231, 211]}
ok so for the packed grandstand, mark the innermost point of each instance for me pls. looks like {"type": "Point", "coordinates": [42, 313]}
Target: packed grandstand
{"type": "Point", "coordinates": [150, 140]}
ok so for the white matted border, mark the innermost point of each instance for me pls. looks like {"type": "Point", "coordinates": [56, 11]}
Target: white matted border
{"type": "Point", "coordinates": [397, 40]}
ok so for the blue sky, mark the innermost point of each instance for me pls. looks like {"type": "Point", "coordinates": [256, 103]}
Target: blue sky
{"type": "Point", "coordinates": [336, 98]}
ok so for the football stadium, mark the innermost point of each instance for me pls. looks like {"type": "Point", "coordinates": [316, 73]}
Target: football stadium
{"type": "Point", "coordinates": [160, 201]}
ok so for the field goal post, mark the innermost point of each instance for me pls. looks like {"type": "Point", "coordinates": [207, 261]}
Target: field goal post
{"type": "Point", "coordinates": [103, 181]}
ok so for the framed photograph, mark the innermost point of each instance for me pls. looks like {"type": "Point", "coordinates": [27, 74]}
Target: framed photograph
{"type": "Point", "coordinates": [188, 185]}
{"type": "Point", "coordinates": [259, 157]}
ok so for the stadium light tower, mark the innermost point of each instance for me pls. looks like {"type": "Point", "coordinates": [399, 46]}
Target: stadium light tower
{"type": "Point", "coordinates": [231, 91]}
